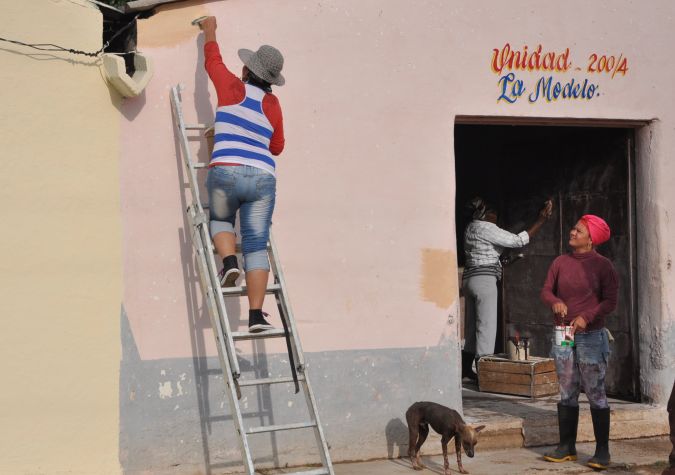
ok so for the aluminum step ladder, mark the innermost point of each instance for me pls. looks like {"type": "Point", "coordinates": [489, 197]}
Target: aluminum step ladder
{"type": "Point", "coordinates": [214, 297]}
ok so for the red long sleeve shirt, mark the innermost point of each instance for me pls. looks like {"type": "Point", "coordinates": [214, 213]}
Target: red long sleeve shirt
{"type": "Point", "coordinates": [231, 90]}
{"type": "Point", "coordinates": [587, 283]}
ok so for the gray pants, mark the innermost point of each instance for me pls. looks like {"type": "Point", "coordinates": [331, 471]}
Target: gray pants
{"type": "Point", "coordinates": [480, 316]}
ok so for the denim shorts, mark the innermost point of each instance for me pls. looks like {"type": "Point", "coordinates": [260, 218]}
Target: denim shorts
{"type": "Point", "coordinates": [252, 192]}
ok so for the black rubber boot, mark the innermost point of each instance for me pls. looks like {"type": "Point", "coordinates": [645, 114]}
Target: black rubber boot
{"type": "Point", "coordinates": [568, 421]}
{"type": "Point", "coordinates": [601, 459]}
{"type": "Point", "coordinates": [467, 361]}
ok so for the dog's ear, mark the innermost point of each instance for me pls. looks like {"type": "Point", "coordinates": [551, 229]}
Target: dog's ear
{"type": "Point", "coordinates": [479, 428]}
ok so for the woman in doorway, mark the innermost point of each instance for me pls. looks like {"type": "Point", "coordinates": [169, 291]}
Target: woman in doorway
{"type": "Point", "coordinates": [484, 242]}
{"type": "Point", "coordinates": [581, 289]}
{"type": "Point", "coordinates": [248, 134]}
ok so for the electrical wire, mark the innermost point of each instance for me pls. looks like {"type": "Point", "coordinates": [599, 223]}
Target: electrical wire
{"type": "Point", "coordinates": [53, 47]}
{"type": "Point", "coordinates": [104, 5]}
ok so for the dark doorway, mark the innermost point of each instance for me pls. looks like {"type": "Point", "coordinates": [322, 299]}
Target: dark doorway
{"type": "Point", "coordinates": [584, 170]}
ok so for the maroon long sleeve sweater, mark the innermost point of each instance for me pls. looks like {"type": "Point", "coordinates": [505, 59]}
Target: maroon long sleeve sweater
{"type": "Point", "coordinates": [587, 283]}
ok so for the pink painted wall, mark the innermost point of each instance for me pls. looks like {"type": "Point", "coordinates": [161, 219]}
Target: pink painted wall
{"type": "Point", "coordinates": [365, 213]}
{"type": "Point", "coordinates": [367, 246]}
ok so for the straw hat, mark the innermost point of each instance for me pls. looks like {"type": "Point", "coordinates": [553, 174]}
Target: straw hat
{"type": "Point", "coordinates": [266, 63]}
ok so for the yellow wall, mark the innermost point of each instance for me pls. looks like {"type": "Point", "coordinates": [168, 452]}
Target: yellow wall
{"type": "Point", "coordinates": [60, 256]}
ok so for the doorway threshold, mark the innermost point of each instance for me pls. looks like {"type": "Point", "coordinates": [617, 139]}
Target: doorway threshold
{"type": "Point", "coordinates": [514, 421]}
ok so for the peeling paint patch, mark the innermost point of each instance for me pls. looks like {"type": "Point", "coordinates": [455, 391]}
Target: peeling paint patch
{"type": "Point", "coordinates": [439, 277]}
{"type": "Point", "coordinates": [165, 390]}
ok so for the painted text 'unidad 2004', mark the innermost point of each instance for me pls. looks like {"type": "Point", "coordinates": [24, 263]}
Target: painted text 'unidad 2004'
{"type": "Point", "coordinates": [514, 68]}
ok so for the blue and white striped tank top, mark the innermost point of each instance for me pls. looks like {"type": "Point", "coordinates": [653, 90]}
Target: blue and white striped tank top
{"type": "Point", "coordinates": [243, 133]}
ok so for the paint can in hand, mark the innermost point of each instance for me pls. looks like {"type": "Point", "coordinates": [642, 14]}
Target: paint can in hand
{"type": "Point", "coordinates": [564, 336]}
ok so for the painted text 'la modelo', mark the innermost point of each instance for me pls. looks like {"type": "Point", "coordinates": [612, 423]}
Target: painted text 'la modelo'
{"type": "Point", "coordinates": [511, 89]}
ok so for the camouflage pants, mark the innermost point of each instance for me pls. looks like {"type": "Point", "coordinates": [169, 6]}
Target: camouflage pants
{"type": "Point", "coordinates": [583, 364]}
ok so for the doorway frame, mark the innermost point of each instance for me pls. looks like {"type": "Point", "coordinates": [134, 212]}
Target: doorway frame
{"type": "Point", "coordinates": [635, 126]}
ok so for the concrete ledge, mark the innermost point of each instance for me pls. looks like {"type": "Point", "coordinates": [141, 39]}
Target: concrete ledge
{"type": "Point", "coordinates": [522, 422]}
{"type": "Point", "coordinates": [632, 421]}
{"type": "Point", "coordinates": [500, 433]}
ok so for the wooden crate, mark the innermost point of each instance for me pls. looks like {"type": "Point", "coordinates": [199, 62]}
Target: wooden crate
{"type": "Point", "coordinates": [534, 377]}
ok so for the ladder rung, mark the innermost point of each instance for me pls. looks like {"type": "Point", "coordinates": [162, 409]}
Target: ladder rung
{"type": "Point", "coordinates": [196, 126]}
{"type": "Point", "coordinates": [318, 471]}
{"type": "Point", "coordinates": [200, 165]}
{"type": "Point", "coordinates": [244, 415]}
{"type": "Point", "coordinates": [297, 425]}
{"type": "Point", "coordinates": [243, 290]}
{"type": "Point", "coordinates": [258, 382]}
{"type": "Point", "coordinates": [276, 333]}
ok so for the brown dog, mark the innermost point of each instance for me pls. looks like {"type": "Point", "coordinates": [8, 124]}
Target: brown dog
{"type": "Point", "coordinates": [446, 422]}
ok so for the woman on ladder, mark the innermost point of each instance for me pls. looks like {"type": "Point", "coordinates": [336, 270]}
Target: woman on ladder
{"type": "Point", "coordinates": [248, 134]}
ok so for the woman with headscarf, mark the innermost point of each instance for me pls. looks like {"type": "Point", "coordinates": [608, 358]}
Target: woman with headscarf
{"type": "Point", "coordinates": [581, 289]}
{"type": "Point", "coordinates": [484, 242]}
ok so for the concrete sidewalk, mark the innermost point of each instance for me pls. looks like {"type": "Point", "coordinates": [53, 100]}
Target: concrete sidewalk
{"type": "Point", "coordinates": [636, 456]}
{"type": "Point", "coordinates": [519, 430]}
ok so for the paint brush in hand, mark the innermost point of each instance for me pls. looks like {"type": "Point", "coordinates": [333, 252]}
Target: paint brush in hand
{"type": "Point", "coordinates": [197, 21]}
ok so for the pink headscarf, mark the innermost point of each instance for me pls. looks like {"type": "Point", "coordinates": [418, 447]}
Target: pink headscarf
{"type": "Point", "coordinates": [597, 228]}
